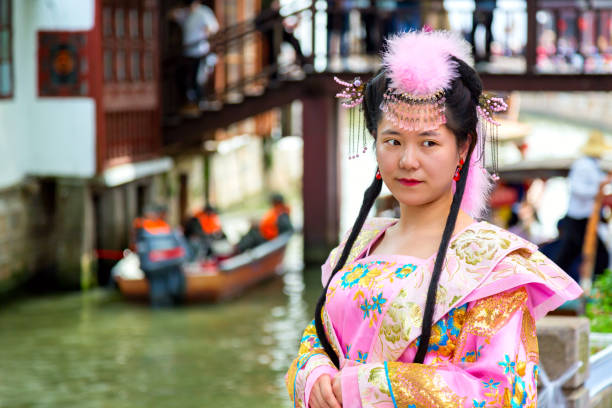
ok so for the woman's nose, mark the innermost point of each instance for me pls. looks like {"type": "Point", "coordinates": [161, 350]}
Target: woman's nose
{"type": "Point", "coordinates": [409, 158]}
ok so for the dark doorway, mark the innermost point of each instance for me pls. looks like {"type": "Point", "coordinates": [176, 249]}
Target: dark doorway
{"type": "Point", "coordinates": [183, 183]}
{"type": "Point", "coordinates": [141, 199]}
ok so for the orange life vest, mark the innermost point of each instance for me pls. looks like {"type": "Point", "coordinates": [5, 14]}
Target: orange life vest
{"type": "Point", "coordinates": [152, 226]}
{"type": "Point", "coordinates": [210, 222]}
{"type": "Point", "coordinates": [268, 227]}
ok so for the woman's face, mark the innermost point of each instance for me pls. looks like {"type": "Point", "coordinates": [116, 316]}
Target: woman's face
{"type": "Point", "coordinates": [416, 165]}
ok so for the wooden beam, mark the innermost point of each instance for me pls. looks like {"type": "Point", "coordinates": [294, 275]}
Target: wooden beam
{"type": "Point", "coordinates": [192, 132]}
{"type": "Point", "coordinates": [532, 36]}
{"type": "Point", "coordinates": [321, 182]}
{"type": "Point", "coordinates": [542, 82]}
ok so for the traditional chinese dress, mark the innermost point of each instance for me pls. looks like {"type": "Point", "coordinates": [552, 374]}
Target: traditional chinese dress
{"type": "Point", "coordinates": [483, 350]}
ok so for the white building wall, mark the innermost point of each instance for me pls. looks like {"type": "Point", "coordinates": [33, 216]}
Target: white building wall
{"type": "Point", "coordinates": [13, 129]}
{"type": "Point", "coordinates": [45, 136]}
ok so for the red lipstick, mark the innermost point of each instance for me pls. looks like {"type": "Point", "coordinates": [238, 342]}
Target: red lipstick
{"type": "Point", "coordinates": [409, 182]}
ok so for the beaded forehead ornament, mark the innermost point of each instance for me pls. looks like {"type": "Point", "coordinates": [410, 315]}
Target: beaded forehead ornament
{"type": "Point", "coordinates": [420, 70]}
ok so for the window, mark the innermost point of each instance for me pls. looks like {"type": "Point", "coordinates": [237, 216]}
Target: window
{"type": "Point", "coordinates": [129, 46]}
{"type": "Point", "coordinates": [135, 66]}
{"type": "Point", "coordinates": [6, 50]}
{"type": "Point", "coordinates": [119, 23]}
{"type": "Point", "coordinates": [134, 23]}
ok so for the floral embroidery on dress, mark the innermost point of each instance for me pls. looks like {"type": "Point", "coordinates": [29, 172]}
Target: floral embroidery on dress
{"type": "Point", "coordinates": [491, 384]}
{"type": "Point", "coordinates": [507, 365]}
{"type": "Point", "coordinates": [445, 332]}
{"type": "Point", "coordinates": [364, 280]}
{"type": "Point", "coordinates": [375, 306]}
{"type": "Point", "coordinates": [310, 336]}
{"type": "Point", "coordinates": [350, 278]}
{"type": "Point", "coordinates": [471, 356]}
{"type": "Point", "coordinates": [366, 309]}
{"type": "Point", "coordinates": [377, 301]}
{"type": "Point", "coordinates": [475, 245]}
{"type": "Point", "coordinates": [405, 271]}
{"type": "Point", "coordinates": [362, 357]}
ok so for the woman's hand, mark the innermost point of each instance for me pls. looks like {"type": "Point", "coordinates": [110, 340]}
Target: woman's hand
{"type": "Point", "coordinates": [323, 393]}
{"type": "Point", "coordinates": [337, 388]}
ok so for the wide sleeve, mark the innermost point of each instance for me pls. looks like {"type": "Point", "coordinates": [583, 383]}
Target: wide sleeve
{"type": "Point", "coordinates": [493, 363]}
{"type": "Point", "coordinates": [311, 363]}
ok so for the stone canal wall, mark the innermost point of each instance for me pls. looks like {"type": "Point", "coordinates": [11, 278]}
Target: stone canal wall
{"type": "Point", "coordinates": [47, 232]}
{"type": "Point", "coordinates": [13, 238]}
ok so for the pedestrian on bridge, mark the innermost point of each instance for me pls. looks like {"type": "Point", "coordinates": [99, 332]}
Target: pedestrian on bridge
{"type": "Point", "coordinates": [198, 23]}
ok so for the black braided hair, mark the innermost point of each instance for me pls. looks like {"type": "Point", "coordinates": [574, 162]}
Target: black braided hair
{"type": "Point", "coordinates": [461, 102]}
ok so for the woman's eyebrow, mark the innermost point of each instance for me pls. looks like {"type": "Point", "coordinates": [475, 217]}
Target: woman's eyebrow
{"type": "Point", "coordinates": [390, 132]}
{"type": "Point", "coordinates": [429, 133]}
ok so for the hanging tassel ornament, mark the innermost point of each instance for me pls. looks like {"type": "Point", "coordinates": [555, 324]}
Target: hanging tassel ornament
{"type": "Point", "coordinates": [352, 97]}
{"type": "Point", "coordinates": [414, 112]}
{"type": "Point", "coordinates": [488, 126]}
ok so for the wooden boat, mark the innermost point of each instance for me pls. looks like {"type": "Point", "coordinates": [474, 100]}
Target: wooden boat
{"type": "Point", "coordinates": [212, 282]}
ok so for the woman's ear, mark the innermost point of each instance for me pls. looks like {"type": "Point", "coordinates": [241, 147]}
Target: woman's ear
{"type": "Point", "coordinates": [465, 146]}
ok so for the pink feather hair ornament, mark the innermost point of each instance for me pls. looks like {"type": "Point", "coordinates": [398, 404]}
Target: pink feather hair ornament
{"type": "Point", "coordinates": [418, 62]}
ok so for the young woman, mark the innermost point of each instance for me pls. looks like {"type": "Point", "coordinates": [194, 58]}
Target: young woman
{"type": "Point", "coordinates": [433, 309]}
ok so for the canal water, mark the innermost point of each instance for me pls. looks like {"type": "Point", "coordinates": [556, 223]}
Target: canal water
{"type": "Point", "coordinates": [95, 350]}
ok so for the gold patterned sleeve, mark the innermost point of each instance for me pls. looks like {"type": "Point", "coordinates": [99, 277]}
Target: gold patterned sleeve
{"type": "Point", "coordinates": [311, 363]}
{"type": "Point", "coordinates": [489, 359]}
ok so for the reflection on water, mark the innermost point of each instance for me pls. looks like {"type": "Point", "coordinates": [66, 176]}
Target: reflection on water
{"type": "Point", "coordinates": [94, 350]}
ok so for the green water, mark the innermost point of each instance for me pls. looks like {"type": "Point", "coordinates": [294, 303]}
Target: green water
{"type": "Point", "coordinates": [94, 350]}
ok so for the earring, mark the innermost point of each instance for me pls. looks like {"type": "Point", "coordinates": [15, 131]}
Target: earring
{"type": "Point", "coordinates": [457, 175]}
{"type": "Point", "coordinates": [378, 176]}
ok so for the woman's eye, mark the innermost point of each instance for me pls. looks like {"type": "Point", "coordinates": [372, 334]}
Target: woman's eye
{"type": "Point", "coordinates": [392, 142]}
{"type": "Point", "coordinates": [429, 143]}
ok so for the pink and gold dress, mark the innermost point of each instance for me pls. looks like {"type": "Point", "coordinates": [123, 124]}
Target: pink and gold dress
{"type": "Point", "coordinates": [483, 350]}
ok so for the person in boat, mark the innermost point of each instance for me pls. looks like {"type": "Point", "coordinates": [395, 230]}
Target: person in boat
{"type": "Point", "coordinates": [152, 221]}
{"type": "Point", "coordinates": [204, 230]}
{"type": "Point", "coordinates": [209, 222]}
{"type": "Point", "coordinates": [585, 179]}
{"type": "Point", "coordinates": [161, 252]}
{"type": "Point", "coordinates": [275, 221]}
{"type": "Point", "coordinates": [434, 309]}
